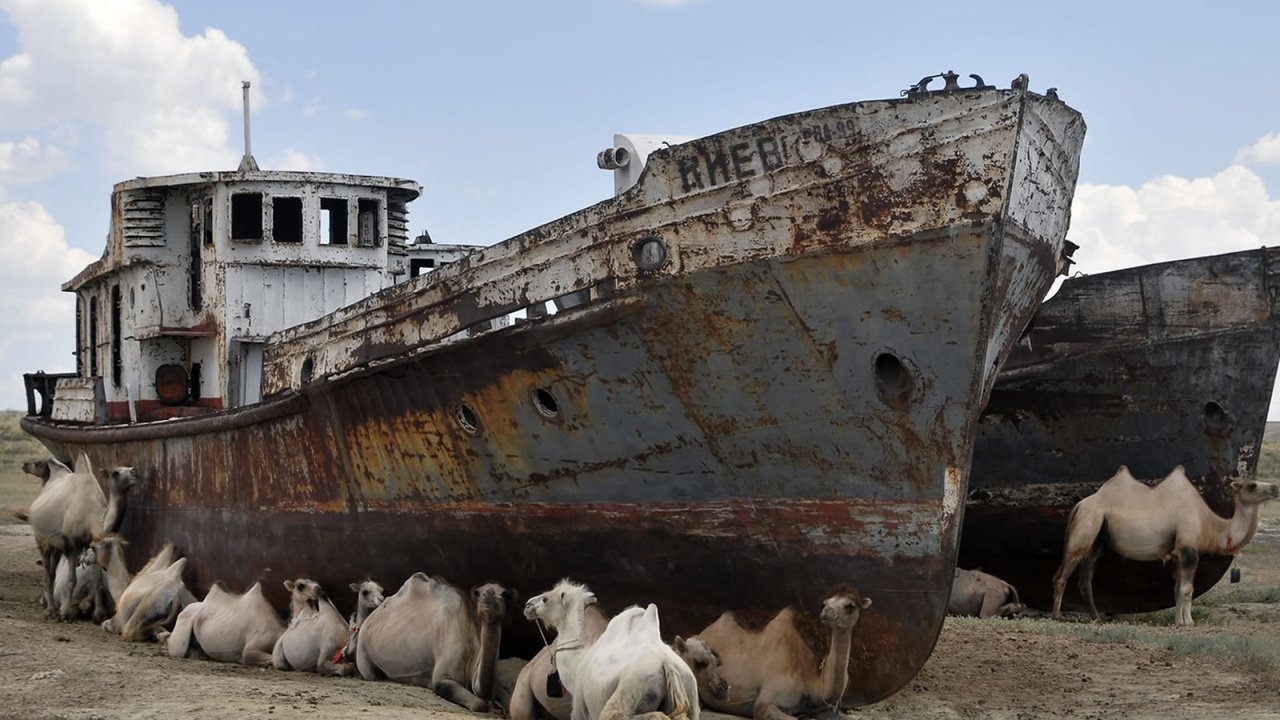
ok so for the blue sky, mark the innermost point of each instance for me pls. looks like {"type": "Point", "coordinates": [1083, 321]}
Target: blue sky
{"type": "Point", "coordinates": [498, 109]}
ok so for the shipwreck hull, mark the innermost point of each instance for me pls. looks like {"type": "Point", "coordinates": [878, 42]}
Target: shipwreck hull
{"type": "Point", "coordinates": [787, 404]}
{"type": "Point", "coordinates": [1149, 367]}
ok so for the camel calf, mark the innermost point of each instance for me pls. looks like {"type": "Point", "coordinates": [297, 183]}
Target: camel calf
{"type": "Point", "coordinates": [1146, 523]}
{"type": "Point", "coordinates": [316, 632]}
{"type": "Point", "coordinates": [978, 594]}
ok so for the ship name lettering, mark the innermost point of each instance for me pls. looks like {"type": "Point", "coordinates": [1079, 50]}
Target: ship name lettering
{"type": "Point", "coordinates": [712, 166]}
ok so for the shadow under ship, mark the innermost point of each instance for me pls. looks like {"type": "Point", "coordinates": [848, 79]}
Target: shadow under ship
{"type": "Point", "coordinates": [1150, 367]}
{"type": "Point", "coordinates": [749, 378]}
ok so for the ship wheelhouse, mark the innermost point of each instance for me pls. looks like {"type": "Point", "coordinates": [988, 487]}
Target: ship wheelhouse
{"type": "Point", "coordinates": [200, 269]}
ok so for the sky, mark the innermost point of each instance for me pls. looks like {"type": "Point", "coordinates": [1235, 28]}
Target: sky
{"type": "Point", "coordinates": [498, 109]}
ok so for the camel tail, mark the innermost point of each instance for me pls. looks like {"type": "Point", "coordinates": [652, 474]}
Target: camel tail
{"type": "Point", "coordinates": [683, 706]}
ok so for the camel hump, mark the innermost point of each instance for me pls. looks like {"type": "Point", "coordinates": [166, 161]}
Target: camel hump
{"type": "Point", "coordinates": [649, 621]}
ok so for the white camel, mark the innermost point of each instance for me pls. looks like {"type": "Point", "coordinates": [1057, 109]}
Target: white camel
{"type": "Point", "coordinates": [368, 598]}
{"type": "Point", "coordinates": [152, 599]}
{"type": "Point", "coordinates": [316, 634]}
{"type": "Point", "coordinates": [228, 627]}
{"type": "Point", "coordinates": [430, 634]}
{"type": "Point", "coordinates": [1167, 521]}
{"type": "Point", "coordinates": [71, 512]}
{"type": "Point", "coordinates": [627, 672]}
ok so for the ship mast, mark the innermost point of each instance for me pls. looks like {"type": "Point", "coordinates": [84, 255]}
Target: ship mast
{"type": "Point", "coordinates": [247, 162]}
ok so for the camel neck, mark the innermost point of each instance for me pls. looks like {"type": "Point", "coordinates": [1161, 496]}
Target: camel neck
{"type": "Point", "coordinates": [117, 573]}
{"type": "Point", "coordinates": [835, 669]}
{"type": "Point", "coordinates": [1235, 533]}
{"type": "Point", "coordinates": [487, 662]}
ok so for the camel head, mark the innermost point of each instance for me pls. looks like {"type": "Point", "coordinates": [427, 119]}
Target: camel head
{"type": "Point", "coordinates": [106, 546]}
{"type": "Point", "coordinates": [492, 602]}
{"type": "Point", "coordinates": [122, 478]}
{"type": "Point", "coordinates": [368, 595]}
{"type": "Point", "coordinates": [705, 664]}
{"type": "Point", "coordinates": [38, 468]}
{"type": "Point", "coordinates": [556, 605]}
{"type": "Point", "coordinates": [1254, 492]}
{"type": "Point", "coordinates": [842, 608]}
{"type": "Point", "coordinates": [304, 593]}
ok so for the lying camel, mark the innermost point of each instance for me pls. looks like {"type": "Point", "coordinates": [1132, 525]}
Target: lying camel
{"type": "Point", "coordinates": [228, 627]}
{"type": "Point", "coordinates": [71, 512]}
{"type": "Point", "coordinates": [152, 599]}
{"type": "Point", "coordinates": [429, 634]}
{"type": "Point", "coordinates": [627, 672]}
{"type": "Point", "coordinates": [368, 598]}
{"type": "Point", "coordinates": [778, 671]}
{"type": "Point", "coordinates": [529, 691]}
{"type": "Point", "coordinates": [316, 632]}
{"type": "Point", "coordinates": [1167, 521]}
{"type": "Point", "coordinates": [978, 594]}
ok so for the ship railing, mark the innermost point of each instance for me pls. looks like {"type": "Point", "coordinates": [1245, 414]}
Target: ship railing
{"type": "Point", "coordinates": [44, 385]}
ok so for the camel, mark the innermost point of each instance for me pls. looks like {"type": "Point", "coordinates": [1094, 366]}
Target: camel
{"type": "Point", "coordinates": [1169, 521]}
{"type": "Point", "coordinates": [40, 469]}
{"type": "Point", "coordinates": [74, 591]}
{"type": "Point", "coordinates": [429, 634]}
{"type": "Point", "coordinates": [227, 627]}
{"type": "Point", "coordinates": [316, 633]}
{"type": "Point", "coordinates": [978, 594]}
{"type": "Point", "coordinates": [152, 599]}
{"type": "Point", "coordinates": [71, 512]}
{"type": "Point", "coordinates": [530, 688]}
{"type": "Point", "coordinates": [778, 671]}
{"type": "Point", "coordinates": [368, 598]}
{"type": "Point", "coordinates": [627, 672]}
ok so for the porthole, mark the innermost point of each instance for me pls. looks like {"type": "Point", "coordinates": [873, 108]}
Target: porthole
{"type": "Point", "coordinates": [1217, 421]}
{"type": "Point", "coordinates": [467, 418]}
{"type": "Point", "coordinates": [649, 254]}
{"type": "Point", "coordinates": [894, 381]}
{"type": "Point", "coordinates": [545, 402]}
{"type": "Point", "coordinates": [308, 370]}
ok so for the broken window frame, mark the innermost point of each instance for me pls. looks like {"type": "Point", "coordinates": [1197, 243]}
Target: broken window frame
{"type": "Point", "coordinates": [244, 227]}
{"type": "Point", "coordinates": [334, 234]}
{"type": "Point", "coordinates": [299, 229]}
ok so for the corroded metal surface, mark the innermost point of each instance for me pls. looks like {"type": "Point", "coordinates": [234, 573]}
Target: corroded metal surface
{"type": "Point", "coordinates": [785, 404]}
{"type": "Point", "coordinates": [1149, 367]}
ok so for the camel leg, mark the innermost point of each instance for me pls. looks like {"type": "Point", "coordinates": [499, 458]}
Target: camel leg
{"type": "Point", "coordinates": [1083, 527]}
{"type": "Point", "coordinates": [49, 558]}
{"type": "Point", "coordinates": [179, 640]}
{"type": "Point", "coordinates": [1085, 580]}
{"type": "Point", "coordinates": [1188, 559]}
{"type": "Point", "coordinates": [454, 692]}
{"type": "Point", "coordinates": [765, 710]}
{"type": "Point", "coordinates": [253, 657]}
{"type": "Point", "coordinates": [278, 660]}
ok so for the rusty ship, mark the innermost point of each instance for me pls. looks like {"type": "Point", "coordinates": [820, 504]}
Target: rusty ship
{"type": "Point", "coordinates": [1150, 367]}
{"type": "Point", "coordinates": [751, 375]}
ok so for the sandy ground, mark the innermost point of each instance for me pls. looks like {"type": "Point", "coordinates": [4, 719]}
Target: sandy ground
{"type": "Point", "coordinates": [997, 669]}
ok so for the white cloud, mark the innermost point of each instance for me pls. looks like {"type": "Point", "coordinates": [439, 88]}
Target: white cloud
{"type": "Point", "coordinates": [291, 159]}
{"type": "Point", "coordinates": [1265, 151]}
{"type": "Point", "coordinates": [354, 114]}
{"type": "Point", "coordinates": [162, 99]}
{"type": "Point", "coordinates": [38, 320]}
{"type": "Point", "coordinates": [28, 160]}
{"type": "Point", "coordinates": [1169, 218]}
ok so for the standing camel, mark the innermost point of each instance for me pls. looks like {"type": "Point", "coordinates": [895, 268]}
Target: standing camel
{"type": "Point", "coordinates": [429, 634]}
{"type": "Point", "coordinates": [777, 672]}
{"type": "Point", "coordinates": [1167, 521]}
{"type": "Point", "coordinates": [71, 512]}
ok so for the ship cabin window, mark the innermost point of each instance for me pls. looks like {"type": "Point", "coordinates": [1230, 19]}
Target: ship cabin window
{"type": "Point", "coordinates": [421, 266]}
{"type": "Point", "coordinates": [286, 219]}
{"type": "Point", "coordinates": [93, 337]}
{"type": "Point", "coordinates": [117, 365]}
{"type": "Point", "coordinates": [207, 214]}
{"type": "Point", "coordinates": [246, 216]}
{"type": "Point", "coordinates": [333, 221]}
{"type": "Point", "coordinates": [367, 223]}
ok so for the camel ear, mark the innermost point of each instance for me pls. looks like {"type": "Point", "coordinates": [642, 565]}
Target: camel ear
{"type": "Point", "coordinates": [355, 587]}
{"type": "Point", "coordinates": [288, 585]}
{"type": "Point", "coordinates": [589, 599]}
{"type": "Point", "coordinates": [866, 603]}
{"type": "Point", "coordinates": [679, 645]}
{"type": "Point", "coordinates": [1237, 484]}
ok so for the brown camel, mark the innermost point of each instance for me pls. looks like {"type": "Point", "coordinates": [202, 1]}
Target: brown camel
{"type": "Point", "coordinates": [429, 634]}
{"type": "Point", "coordinates": [71, 512]}
{"type": "Point", "coordinates": [778, 671]}
{"type": "Point", "coordinates": [1167, 521]}
{"type": "Point", "coordinates": [978, 594]}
